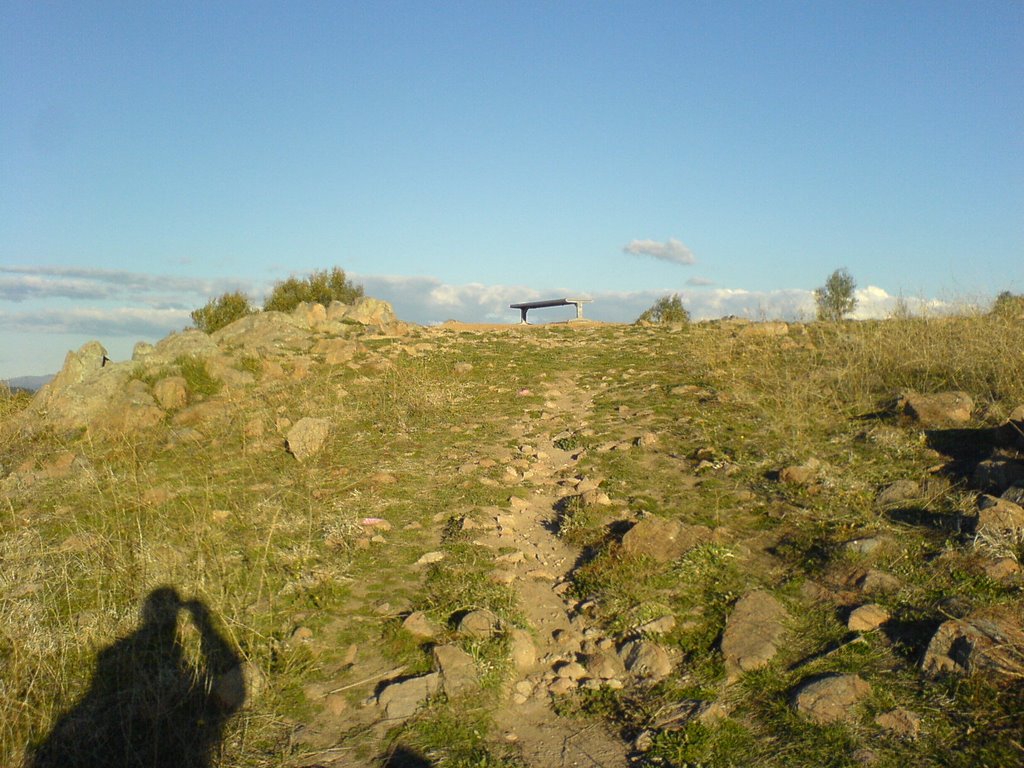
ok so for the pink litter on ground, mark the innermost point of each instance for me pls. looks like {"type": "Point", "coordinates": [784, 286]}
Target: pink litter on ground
{"type": "Point", "coordinates": [374, 521]}
{"type": "Point", "coordinates": [524, 392]}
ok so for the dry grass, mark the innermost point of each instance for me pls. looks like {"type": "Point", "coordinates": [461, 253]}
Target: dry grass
{"type": "Point", "coordinates": [269, 544]}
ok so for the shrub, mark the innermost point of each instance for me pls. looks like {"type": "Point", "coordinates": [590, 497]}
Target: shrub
{"type": "Point", "coordinates": [667, 309]}
{"type": "Point", "coordinates": [321, 287]}
{"type": "Point", "coordinates": [1008, 305]}
{"type": "Point", "coordinates": [835, 299]}
{"type": "Point", "coordinates": [223, 310]}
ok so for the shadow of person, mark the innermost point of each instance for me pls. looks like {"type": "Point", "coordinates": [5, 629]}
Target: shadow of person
{"type": "Point", "coordinates": [149, 705]}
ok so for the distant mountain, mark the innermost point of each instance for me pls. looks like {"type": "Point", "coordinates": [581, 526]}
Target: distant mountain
{"type": "Point", "coordinates": [30, 383]}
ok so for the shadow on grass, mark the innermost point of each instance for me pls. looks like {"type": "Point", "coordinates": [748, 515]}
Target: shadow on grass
{"type": "Point", "coordinates": [405, 758]}
{"type": "Point", "coordinates": [148, 706]}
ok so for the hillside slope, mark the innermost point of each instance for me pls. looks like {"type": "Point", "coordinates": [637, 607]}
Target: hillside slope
{"type": "Point", "coordinates": [334, 539]}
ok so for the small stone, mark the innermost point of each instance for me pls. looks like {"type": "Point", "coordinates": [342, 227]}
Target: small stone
{"type": "Point", "coordinates": [658, 626]}
{"type": "Point", "coordinates": [867, 618]}
{"type": "Point", "coordinates": [307, 437]}
{"type": "Point", "coordinates": [430, 557]}
{"type": "Point", "coordinates": [878, 582]}
{"type": "Point", "coordinates": [479, 624]}
{"type": "Point", "coordinates": [646, 659]}
{"type": "Point", "coordinates": [753, 633]}
{"type": "Point", "coordinates": [418, 625]}
{"type": "Point", "coordinates": [936, 409]}
{"type": "Point", "coordinates": [662, 539]}
{"type": "Point", "coordinates": [401, 700]}
{"type": "Point", "coordinates": [562, 686]}
{"type": "Point", "coordinates": [800, 475]}
{"type": "Point", "coordinates": [570, 669]}
{"type": "Point", "coordinates": [522, 651]}
{"type": "Point", "coordinates": [864, 546]}
{"type": "Point", "coordinates": [996, 515]}
{"type": "Point", "coordinates": [900, 722]}
{"type": "Point", "coordinates": [899, 492]}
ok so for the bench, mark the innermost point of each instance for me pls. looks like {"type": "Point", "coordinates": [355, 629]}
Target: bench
{"type": "Point", "coordinates": [526, 306]}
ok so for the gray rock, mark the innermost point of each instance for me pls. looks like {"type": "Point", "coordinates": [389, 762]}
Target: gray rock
{"type": "Point", "coordinates": [307, 437]}
{"type": "Point", "coordinates": [864, 546]}
{"type": "Point", "coordinates": [831, 698]}
{"type": "Point", "coordinates": [663, 540]}
{"type": "Point", "coordinates": [401, 700]}
{"type": "Point", "coordinates": [457, 669]}
{"type": "Point", "coordinates": [752, 633]}
{"type": "Point", "coordinates": [937, 409]}
{"type": "Point", "coordinates": [265, 333]}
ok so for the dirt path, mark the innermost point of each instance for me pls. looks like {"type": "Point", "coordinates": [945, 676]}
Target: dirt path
{"type": "Point", "coordinates": [539, 567]}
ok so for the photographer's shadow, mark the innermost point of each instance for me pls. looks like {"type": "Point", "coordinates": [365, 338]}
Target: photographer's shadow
{"type": "Point", "coordinates": [151, 705]}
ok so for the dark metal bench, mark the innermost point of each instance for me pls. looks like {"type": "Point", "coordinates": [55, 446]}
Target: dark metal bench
{"type": "Point", "coordinates": [526, 306]}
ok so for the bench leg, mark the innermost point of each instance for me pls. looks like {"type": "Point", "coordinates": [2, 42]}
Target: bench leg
{"type": "Point", "coordinates": [523, 312]}
{"type": "Point", "coordinates": [579, 311]}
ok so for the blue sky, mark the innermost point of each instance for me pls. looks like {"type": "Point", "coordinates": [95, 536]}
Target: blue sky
{"type": "Point", "coordinates": [455, 157]}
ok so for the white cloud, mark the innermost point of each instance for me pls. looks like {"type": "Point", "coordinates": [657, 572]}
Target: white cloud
{"type": "Point", "coordinates": [19, 284]}
{"type": "Point", "coordinates": [671, 250]}
{"type": "Point", "coordinates": [90, 322]}
{"type": "Point", "coordinates": [699, 282]}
